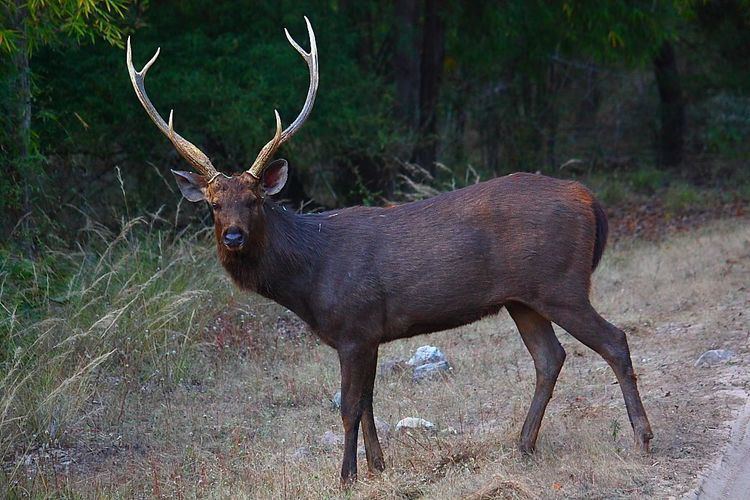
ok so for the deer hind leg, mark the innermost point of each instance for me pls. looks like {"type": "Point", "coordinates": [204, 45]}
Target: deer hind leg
{"type": "Point", "coordinates": [358, 364]}
{"type": "Point", "coordinates": [548, 355]}
{"type": "Point", "coordinates": [586, 325]}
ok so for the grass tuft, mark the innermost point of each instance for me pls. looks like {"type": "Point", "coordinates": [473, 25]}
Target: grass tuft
{"type": "Point", "coordinates": [126, 313]}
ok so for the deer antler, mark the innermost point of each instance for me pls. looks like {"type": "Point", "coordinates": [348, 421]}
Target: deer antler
{"type": "Point", "coordinates": [192, 154]}
{"type": "Point", "coordinates": [280, 138]}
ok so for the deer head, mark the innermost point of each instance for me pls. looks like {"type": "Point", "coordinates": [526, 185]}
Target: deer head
{"type": "Point", "coordinates": [236, 200]}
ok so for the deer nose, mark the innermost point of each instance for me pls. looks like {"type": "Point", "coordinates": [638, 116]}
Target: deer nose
{"type": "Point", "coordinates": [233, 237]}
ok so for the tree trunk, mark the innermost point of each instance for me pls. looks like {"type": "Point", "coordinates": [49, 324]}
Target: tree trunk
{"type": "Point", "coordinates": [22, 111]}
{"type": "Point", "coordinates": [406, 62]}
{"type": "Point", "coordinates": [551, 116]}
{"type": "Point", "coordinates": [431, 69]}
{"type": "Point", "coordinates": [672, 107]}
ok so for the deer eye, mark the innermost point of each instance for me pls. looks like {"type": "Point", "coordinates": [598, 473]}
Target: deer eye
{"type": "Point", "coordinates": [215, 206]}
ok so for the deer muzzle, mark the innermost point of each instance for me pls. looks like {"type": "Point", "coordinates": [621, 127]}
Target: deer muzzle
{"type": "Point", "coordinates": [233, 238]}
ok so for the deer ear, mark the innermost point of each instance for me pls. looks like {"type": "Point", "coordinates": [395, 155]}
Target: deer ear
{"type": "Point", "coordinates": [192, 186]}
{"type": "Point", "coordinates": [274, 177]}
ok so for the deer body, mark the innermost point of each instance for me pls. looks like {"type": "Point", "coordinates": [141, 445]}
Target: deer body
{"type": "Point", "coordinates": [423, 266]}
{"type": "Point", "coordinates": [364, 276]}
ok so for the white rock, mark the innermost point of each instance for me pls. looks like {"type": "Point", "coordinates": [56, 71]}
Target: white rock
{"type": "Point", "coordinates": [410, 423]}
{"type": "Point", "coordinates": [714, 357]}
{"type": "Point", "coordinates": [430, 370]}
{"type": "Point", "coordinates": [426, 354]}
{"type": "Point", "coordinates": [336, 400]}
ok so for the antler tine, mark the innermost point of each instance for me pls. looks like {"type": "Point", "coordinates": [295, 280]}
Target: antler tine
{"type": "Point", "coordinates": [189, 151]}
{"type": "Point", "coordinates": [268, 150]}
{"type": "Point", "coordinates": [311, 59]}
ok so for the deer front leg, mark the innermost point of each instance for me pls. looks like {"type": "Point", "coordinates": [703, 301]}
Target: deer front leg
{"type": "Point", "coordinates": [375, 461]}
{"type": "Point", "coordinates": [548, 355]}
{"type": "Point", "coordinates": [358, 363]}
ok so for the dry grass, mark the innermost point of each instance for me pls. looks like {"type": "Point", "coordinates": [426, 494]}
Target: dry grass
{"type": "Point", "coordinates": [244, 414]}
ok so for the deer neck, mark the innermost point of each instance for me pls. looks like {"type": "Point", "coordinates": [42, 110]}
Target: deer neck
{"type": "Point", "coordinates": [281, 265]}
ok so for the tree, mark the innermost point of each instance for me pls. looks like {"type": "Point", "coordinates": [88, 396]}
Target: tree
{"type": "Point", "coordinates": [431, 72]}
{"type": "Point", "coordinates": [639, 33]}
{"type": "Point", "coordinates": [406, 61]}
{"type": "Point", "coordinates": [26, 26]}
{"type": "Point", "coordinates": [672, 107]}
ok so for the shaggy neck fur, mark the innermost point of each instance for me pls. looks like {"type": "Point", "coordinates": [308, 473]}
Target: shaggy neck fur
{"type": "Point", "coordinates": [281, 258]}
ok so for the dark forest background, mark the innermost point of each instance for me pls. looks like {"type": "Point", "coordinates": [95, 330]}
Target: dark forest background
{"type": "Point", "coordinates": [415, 95]}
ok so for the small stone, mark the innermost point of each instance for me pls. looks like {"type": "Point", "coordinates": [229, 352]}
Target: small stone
{"type": "Point", "coordinates": [430, 370]}
{"type": "Point", "coordinates": [451, 431]}
{"type": "Point", "coordinates": [336, 400]}
{"type": "Point", "coordinates": [714, 357]}
{"type": "Point", "coordinates": [414, 423]}
{"type": "Point", "coordinates": [426, 354]}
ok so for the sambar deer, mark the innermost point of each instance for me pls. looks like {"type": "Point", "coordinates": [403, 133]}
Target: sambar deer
{"type": "Point", "coordinates": [363, 276]}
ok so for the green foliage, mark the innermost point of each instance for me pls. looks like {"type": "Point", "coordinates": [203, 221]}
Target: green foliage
{"type": "Point", "coordinates": [743, 190]}
{"type": "Point", "coordinates": [611, 190]}
{"type": "Point", "coordinates": [31, 25]}
{"type": "Point", "coordinates": [648, 180]}
{"type": "Point", "coordinates": [526, 85]}
{"type": "Point", "coordinates": [728, 124]}
{"type": "Point", "coordinates": [27, 286]}
{"type": "Point", "coordinates": [25, 28]}
{"type": "Point", "coordinates": [622, 31]}
{"type": "Point", "coordinates": [517, 59]}
{"type": "Point", "coordinates": [223, 82]}
{"type": "Point", "coordinates": [724, 32]}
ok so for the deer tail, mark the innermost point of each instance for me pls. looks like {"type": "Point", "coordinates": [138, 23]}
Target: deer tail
{"type": "Point", "coordinates": [602, 230]}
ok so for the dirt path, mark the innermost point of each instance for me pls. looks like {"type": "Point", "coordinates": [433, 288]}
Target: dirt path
{"type": "Point", "coordinates": [730, 478]}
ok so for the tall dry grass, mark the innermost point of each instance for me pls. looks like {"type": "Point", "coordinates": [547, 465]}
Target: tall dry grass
{"type": "Point", "coordinates": [128, 310]}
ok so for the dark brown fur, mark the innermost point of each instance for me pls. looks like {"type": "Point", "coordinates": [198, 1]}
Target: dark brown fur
{"type": "Point", "coordinates": [364, 276]}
